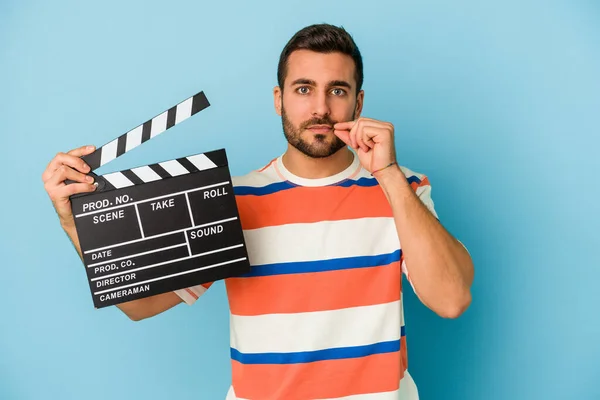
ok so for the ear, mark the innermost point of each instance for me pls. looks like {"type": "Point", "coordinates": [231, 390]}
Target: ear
{"type": "Point", "coordinates": [277, 99]}
{"type": "Point", "coordinates": [359, 104]}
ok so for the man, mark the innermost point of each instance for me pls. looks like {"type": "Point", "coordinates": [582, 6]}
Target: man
{"type": "Point", "coordinates": [320, 315]}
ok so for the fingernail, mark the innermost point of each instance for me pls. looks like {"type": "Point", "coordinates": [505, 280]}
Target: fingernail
{"type": "Point", "coordinates": [86, 167]}
{"type": "Point", "coordinates": [89, 179]}
{"type": "Point", "coordinates": [90, 147]}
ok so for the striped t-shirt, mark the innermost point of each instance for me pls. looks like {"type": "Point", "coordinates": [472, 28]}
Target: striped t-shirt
{"type": "Point", "coordinates": [320, 314]}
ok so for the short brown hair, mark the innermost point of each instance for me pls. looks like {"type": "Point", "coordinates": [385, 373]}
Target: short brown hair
{"type": "Point", "coordinates": [322, 38]}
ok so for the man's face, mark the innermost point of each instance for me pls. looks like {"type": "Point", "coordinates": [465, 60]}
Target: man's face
{"type": "Point", "coordinates": [319, 91]}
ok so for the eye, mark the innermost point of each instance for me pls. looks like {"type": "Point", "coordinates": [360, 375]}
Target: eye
{"type": "Point", "coordinates": [338, 92]}
{"type": "Point", "coordinates": [302, 90]}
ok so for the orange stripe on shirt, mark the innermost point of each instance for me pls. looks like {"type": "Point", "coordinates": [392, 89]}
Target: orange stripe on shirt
{"type": "Point", "coordinates": [315, 291]}
{"type": "Point", "coordinates": [320, 379]}
{"type": "Point", "coordinates": [312, 204]}
{"type": "Point", "coordinates": [415, 185]}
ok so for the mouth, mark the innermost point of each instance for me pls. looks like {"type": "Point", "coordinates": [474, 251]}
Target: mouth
{"type": "Point", "coordinates": [320, 128]}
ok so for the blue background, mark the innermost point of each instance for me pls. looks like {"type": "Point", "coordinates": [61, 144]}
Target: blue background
{"type": "Point", "coordinates": [498, 103]}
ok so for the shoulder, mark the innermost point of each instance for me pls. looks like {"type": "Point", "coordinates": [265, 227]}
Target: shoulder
{"type": "Point", "coordinates": [261, 177]}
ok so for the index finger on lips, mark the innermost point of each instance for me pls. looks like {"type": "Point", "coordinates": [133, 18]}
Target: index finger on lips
{"type": "Point", "coordinates": [341, 126]}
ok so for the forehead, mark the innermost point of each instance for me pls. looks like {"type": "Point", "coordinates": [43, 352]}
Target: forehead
{"type": "Point", "coordinates": [320, 67]}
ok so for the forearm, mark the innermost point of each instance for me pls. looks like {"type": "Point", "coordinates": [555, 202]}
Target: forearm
{"type": "Point", "coordinates": [440, 268]}
{"type": "Point", "coordinates": [71, 232]}
{"type": "Point", "coordinates": [147, 307]}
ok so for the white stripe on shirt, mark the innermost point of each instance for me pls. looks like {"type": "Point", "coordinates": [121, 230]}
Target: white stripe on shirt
{"type": "Point", "coordinates": [307, 241]}
{"type": "Point", "coordinates": [287, 333]}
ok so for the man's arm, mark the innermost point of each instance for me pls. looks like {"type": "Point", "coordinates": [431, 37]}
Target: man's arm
{"type": "Point", "coordinates": [440, 268]}
{"type": "Point", "coordinates": [70, 166]}
{"type": "Point", "coordinates": [140, 309]}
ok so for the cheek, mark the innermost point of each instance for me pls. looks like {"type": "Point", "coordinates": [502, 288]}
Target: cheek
{"type": "Point", "coordinates": [342, 112]}
{"type": "Point", "coordinates": [342, 107]}
{"type": "Point", "coordinates": [297, 110]}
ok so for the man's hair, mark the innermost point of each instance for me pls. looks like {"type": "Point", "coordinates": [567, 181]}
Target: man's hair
{"type": "Point", "coordinates": [322, 38]}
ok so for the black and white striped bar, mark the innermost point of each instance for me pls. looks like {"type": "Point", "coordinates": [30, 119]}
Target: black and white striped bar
{"type": "Point", "coordinates": [159, 228]}
{"type": "Point", "coordinates": [162, 170]}
{"type": "Point", "coordinates": [147, 131]}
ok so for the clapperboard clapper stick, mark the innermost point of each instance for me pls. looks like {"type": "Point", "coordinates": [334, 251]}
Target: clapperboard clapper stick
{"type": "Point", "coordinates": [160, 227]}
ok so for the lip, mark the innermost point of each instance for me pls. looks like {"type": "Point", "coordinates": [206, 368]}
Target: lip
{"type": "Point", "coordinates": [320, 128]}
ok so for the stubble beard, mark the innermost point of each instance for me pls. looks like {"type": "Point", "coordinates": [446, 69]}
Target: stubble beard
{"type": "Point", "coordinates": [321, 147]}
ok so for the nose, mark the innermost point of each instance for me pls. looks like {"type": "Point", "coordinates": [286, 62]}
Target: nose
{"type": "Point", "coordinates": [321, 105]}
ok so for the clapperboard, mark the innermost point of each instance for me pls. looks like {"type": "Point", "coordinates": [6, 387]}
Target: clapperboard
{"type": "Point", "coordinates": [159, 227]}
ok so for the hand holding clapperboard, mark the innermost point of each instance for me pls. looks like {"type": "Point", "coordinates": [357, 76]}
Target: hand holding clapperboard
{"type": "Point", "coordinates": [160, 227]}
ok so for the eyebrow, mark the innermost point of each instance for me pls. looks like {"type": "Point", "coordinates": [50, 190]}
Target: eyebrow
{"type": "Point", "coordinates": [304, 81]}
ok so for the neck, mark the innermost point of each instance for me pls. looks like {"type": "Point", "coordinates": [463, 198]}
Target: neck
{"type": "Point", "coordinates": [307, 167]}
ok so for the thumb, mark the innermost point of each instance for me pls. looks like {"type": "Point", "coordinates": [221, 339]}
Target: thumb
{"type": "Point", "coordinates": [344, 136]}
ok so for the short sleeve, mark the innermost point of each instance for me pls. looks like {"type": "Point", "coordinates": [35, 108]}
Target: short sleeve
{"type": "Point", "coordinates": [191, 294]}
{"type": "Point", "coordinates": [423, 192]}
